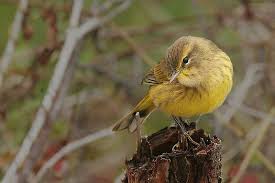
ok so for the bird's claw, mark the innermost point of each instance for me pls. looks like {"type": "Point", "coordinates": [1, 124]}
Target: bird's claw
{"type": "Point", "coordinates": [190, 139]}
{"type": "Point", "coordinates": [202, 142]}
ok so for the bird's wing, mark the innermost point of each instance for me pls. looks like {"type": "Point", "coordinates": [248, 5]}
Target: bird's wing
{"type": "Point", "coordinates": [157, 75]}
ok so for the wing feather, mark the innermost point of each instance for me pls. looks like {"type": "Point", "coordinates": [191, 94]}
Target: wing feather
{"type": "Point", "coordinates": [157, 75]}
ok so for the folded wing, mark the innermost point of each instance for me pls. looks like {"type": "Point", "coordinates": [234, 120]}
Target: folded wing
{"type": "Point", "coordinates": [157, 75]}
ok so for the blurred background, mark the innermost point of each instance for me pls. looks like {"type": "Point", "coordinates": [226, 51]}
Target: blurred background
{"type": "Point", "coordinates": [101, 77]}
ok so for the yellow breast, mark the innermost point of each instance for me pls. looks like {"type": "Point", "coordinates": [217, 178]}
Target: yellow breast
{"type": "Point", "coordinates": [178, 100]}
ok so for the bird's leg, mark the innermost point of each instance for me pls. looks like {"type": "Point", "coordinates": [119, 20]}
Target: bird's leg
{"type": "Point", "coordinates": [138, 132]}
{"type": "Point", "coordinates": [182, 124]}
{"type": "Point", "coordinates": [179, 123]}
{"type": "Point", "coordinates": [198, 119]}
{"type": "Point", "coordinates": [190, 139]}
{"type": "Point", "coordinates": [202, 142]}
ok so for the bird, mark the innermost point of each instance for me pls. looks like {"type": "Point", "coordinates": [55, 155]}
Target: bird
{"type": "Point", "coordinates": [193, 78]}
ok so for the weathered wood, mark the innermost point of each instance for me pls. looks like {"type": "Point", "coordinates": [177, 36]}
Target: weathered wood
{"type": "Point", "coordinates": [169, 156]}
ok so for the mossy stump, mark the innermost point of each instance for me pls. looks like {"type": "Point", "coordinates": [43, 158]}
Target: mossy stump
{"type": "Point", "coordinates": [169, 156]}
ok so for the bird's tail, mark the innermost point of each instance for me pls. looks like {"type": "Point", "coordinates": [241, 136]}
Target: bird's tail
{"type": "Point", "coordinates": [137, 116]}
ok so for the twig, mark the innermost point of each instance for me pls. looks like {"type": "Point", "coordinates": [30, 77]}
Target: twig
{"type": "Point", "coordinates": [254, 146]}
{"type": "Point", "coordinates": [70, 148]}
{"type": "Point", "coordinates": [252, 112]}
{"type": "Point", "coordinates": [95, 22]}
{"type": "Point", "coordinates": [16, 28]}
{"type": "Point", "coordinates": [242, 144]}
{"type": "Point", "coordinates": [101, 8]}
{"type": "Point", "coordinates": [160, 25]}
{"type": "Point", "coordinates": [119, 81]}
{"type": "Point", "coordinates": [140, 52]}
{"type": "Point", "coordinates": [266, 162]}
{"type": "Point", "coordinates": [229, 155]}
{"type": "Point", "coordinates": [50, 97]}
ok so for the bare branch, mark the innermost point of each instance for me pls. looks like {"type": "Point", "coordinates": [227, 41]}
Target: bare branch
{"type": "Point", "coordinates": [41, 139]}
{"type": "Point", "coordinates": [254, 146]}
{"type": "Point", "coordinates": [16, 28]}
{"type": "Point", "coordinates": [140, 52]}
{"type": "Point", "coordinates": [268, 163]}
{"type": "Point", "coordinates": [51, 104]}
{"type": "Point", "coordinates": [248, 138]}
{"type": "Point", "coordinates": [96, 22]}
{"type": "Point", "coordinates": [242, 144]}
{"type": "Point", "coordinates": [76, 13]}
{"type": "Point", "coordinates": [119, 81]}
{"type": "Point", "coordinates": [70, 148]}
{"type": "Point", "coordinates": [251, 111]}
{"type": "Point", "coordinates": [50, 97]}
{"type": "Point", "coordinates": [98, 8]}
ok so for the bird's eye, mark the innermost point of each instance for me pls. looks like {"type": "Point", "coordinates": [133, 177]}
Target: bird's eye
{"type": "Point", "coordinates": [185, 60]}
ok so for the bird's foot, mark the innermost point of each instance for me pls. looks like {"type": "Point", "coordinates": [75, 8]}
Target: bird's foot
{"type": "Point", "coordinates": [138, 132]}
{"type": "Point", "coordinates": [198, 119]}
{"type": "Point", "coordinates": [181, 123]}
{"type": "Point", "coordinates": [202, 142]}
{"type": "Point", "coordinates": [186, 127]}
{"type": "Point", "coordinates": [190, 139]}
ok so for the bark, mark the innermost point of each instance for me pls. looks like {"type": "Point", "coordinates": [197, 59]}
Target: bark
{"type": "Point", "coordinates": [169, 156]}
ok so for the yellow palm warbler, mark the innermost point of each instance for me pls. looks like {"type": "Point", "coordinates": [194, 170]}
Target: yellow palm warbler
{"type": "Point", "coordinates": [193, 79]}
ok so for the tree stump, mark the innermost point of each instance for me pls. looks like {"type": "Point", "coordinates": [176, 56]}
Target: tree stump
{"type": "Point", "coordinates": [169, 155]}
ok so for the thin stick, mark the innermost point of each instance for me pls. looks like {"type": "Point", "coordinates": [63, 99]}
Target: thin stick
{"type": "Point", "coordinates": [241, 144]}
{"type": "Point", "coordinates": [268, 164]}
{"type": "Point", "coordinates": [251, 111]}
{"type": "Point", "coordinates": [96, 22]}
{"type": "Point", "coordinates": [254, 146]}
{"type": "Point", "coordinates": [229, 155]}
{"type": "Point", "coordinates": [16, 29]}
{"type": "Point", "coordinates": [140, 52]}
{"type": "Point", "coordinates": [70, 148]}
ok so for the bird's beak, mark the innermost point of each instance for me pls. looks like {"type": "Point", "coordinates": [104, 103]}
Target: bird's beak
{"type": "Point", "coordinates": [174, 76]}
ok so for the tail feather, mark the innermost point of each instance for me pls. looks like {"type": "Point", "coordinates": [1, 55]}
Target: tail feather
{"type": "Point", "coordinates": [124, 122]}
{"type": "Point", "coordinates": [136, 117]}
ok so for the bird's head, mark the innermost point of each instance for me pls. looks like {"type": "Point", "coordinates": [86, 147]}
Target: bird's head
{"type": "Point", "coordinates": [190, 60]}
